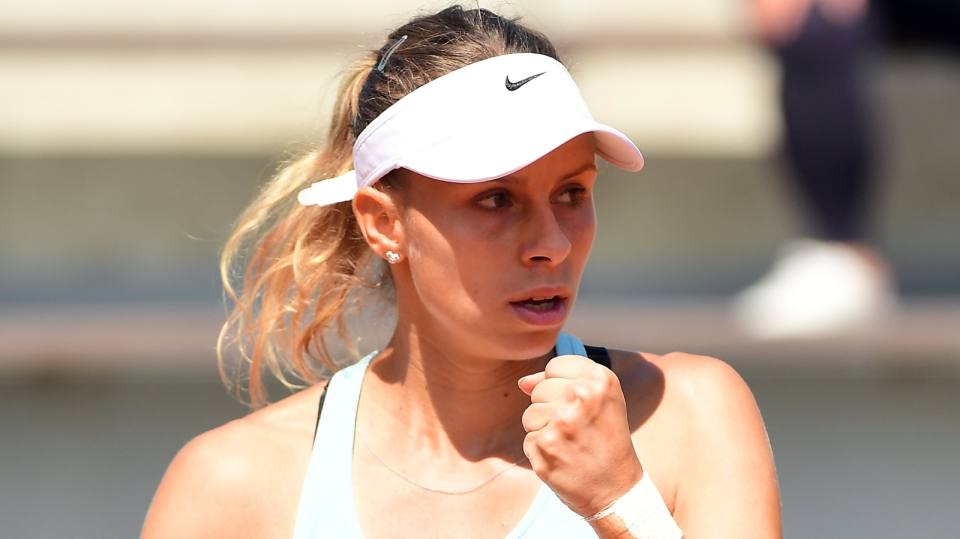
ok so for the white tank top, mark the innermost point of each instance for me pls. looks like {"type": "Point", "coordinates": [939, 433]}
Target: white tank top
{"type": "Point", "coordinates": [327, 509]}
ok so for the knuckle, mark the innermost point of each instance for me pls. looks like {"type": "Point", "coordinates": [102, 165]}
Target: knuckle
{"type": "Point", "coordinates": [600, 374]}
{"type": "Point", "coordinates": [610, 382]}
{"type": "Point", "coordinates": [604, 383]}
{"type": "Point", "coordinates": [569, 423]}
{"type": "Point", "coordinates": [529, 443]}
{"type": "Point", "coordinates": [584, 390]}
{"type": "Point", "coordinates": [530, 448]}
{"type": "Point", "coordinates": [565, 423]}
{"type": "Point", "coordinates": [548, 439]}
{"type": "Point", "coordinates": [539, 467]}
{"type": "Point", "coordinates": [527, 421]}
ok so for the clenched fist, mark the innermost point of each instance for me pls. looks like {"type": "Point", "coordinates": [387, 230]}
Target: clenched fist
{"type": "Point", "coordinates": [578, 439]}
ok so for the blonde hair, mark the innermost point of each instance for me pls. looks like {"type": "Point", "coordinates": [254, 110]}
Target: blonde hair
{"type": "Point", "coordinates": [303, 269]}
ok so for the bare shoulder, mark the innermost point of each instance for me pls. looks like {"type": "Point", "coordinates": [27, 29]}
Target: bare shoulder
{"type": "Point", "coordinates": [700, 389]}
{"type": "Point", "coordinates": [242, 479]}
{"type": "Point", "coordinates": [699, 433]}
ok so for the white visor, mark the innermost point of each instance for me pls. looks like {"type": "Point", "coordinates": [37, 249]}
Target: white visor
{"type": "Point", "coordinates": [478, 123]}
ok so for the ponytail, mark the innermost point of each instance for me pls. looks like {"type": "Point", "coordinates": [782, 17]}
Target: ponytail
{"type": "Point", "coordinates": [301, 265]}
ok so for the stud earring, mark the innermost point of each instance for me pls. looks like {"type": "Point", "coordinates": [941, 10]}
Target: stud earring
{"type": "Point", "coordinates": [392, 257]}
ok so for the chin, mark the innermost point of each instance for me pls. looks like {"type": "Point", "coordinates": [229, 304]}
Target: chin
{"type": "Point", "coordinates": [533, 344]}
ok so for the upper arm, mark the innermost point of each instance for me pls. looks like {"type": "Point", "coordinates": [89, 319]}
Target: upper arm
{"type": "Point", "coordinates": [200, 494]}
{"type": "Point", "coordinates": [728, 487]}
{"type": "Point", "coordinates": [240, 480]}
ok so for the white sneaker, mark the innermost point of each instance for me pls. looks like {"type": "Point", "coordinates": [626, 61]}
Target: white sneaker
{"type": "Point", "coordinates": [815, 289]}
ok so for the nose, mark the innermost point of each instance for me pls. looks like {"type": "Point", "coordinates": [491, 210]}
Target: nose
{"type": "Point", "coordinates": [545, 241]}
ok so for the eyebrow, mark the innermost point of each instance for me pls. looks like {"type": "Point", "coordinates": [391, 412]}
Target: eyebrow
{"type": "Point", "coordinates": [586, 168]}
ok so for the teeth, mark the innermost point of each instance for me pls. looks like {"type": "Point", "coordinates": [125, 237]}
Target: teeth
{"type": "Point", "coordinates": [541, 303]}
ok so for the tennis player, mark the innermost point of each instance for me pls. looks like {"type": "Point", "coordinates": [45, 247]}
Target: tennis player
{"type": "Point", "coordinates": [456, 182]}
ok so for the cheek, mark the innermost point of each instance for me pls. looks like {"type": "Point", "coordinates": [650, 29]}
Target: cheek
{"type": "Point", "coordinates": [459, 269]}
{"type": "Point", "coordinates": [452, 265]}
{"type": "Point", "coordinates": [580, 227]}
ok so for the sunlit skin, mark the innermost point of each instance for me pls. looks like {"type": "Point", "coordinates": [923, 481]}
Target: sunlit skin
{"type": "Point", "coordinates": [468, 385]}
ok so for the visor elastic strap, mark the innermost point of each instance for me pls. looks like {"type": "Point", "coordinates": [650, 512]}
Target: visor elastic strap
{"type": "Point", "coordinates": [339, 189]}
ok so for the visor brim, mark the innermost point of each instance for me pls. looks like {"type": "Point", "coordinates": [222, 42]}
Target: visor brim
{"type": "Point", "coordinates": [473, 156]}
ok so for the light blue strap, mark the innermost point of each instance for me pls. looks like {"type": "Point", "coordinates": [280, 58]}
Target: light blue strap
{"type": "Point", "coordinates": [329, 482]}
{"type": "Point", "coordinates": [326, 502]}
{"type": "Point", "coordinates": [570, 345]}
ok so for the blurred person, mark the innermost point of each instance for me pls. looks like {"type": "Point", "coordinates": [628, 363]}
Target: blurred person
{"type": "Point", "coordinates": [456, 180]}
{"type": "Point", "coordinates": [833, 281]}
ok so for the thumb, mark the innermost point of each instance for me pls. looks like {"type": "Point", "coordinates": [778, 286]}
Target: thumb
{"type": "Point", "coordinates": [527, 383]}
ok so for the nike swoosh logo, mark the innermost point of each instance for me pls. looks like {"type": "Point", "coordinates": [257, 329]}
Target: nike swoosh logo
{"type": "Point", "coordinates": [514, 85]}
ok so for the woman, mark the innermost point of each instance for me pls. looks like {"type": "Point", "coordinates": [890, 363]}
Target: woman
{"type": "Point", "coordinates": [462, 155]}
{"type": "Point", "coordinates": [833, 281]}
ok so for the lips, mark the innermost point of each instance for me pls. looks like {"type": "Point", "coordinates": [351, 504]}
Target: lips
{"type": "Point", "coordinates": [542, 308]}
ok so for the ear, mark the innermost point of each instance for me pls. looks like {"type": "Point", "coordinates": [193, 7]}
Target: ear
{"type": "Point", "coordinates": [379, 218]}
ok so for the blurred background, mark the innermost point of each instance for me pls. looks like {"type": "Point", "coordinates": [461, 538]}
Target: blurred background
{"type": "Point", "coordinates": [132, 134]}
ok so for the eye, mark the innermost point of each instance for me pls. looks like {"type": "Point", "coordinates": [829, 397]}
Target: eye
{"type": "Point", "coordinates": [573, 195]}
{"type": "Point", "coordinates": [495, 200]}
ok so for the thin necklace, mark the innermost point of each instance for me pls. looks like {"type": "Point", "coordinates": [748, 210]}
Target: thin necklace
{"type": "Point", "coordinates": [432, 489]}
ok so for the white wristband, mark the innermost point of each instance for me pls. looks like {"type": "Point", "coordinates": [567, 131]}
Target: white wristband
{"type": "Point", "coordinates": [643, 513]}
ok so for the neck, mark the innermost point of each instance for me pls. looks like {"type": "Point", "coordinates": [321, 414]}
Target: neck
{"type": "Point", "coordinates": [453, 403]}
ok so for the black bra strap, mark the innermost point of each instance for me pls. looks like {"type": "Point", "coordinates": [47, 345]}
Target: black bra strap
{"type": "Point", "coordinates": [316, 427]}
{"type": "Point", "coordinates": [599, 355]}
